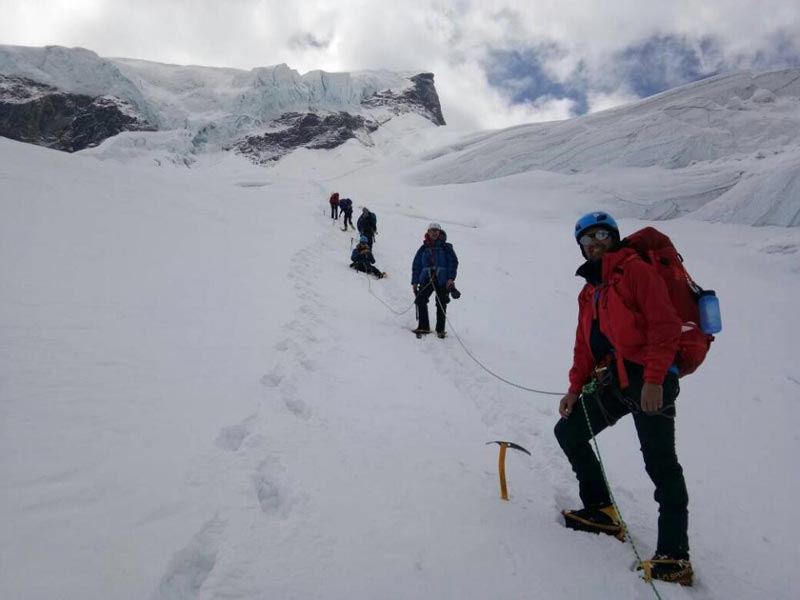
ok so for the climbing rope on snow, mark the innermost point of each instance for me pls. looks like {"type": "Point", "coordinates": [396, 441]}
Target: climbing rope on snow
{"type": "Point", "coordinates": [369, 289]}
{"type": "Point", "coordinates": [488, 370]}
{"type": "Point", "coordinates": [590, 389]}
{"type": "Point", "coordinates": [469, 353]}
{"type": "Point", "coordinates": [449, 322]}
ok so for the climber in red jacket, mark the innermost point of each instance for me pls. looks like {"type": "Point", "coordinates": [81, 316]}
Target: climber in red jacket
{"type": "Point", "coordinates": [625, 347]}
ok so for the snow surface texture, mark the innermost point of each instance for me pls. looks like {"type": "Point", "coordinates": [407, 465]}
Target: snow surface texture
{"type": "Point", "coordinates": [198, 399]}
{"type": "Point", "coordinates": [698, 142]}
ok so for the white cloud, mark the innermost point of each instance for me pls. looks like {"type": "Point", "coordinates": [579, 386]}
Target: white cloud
{"type": "Point", "coordinates": [451, 38]}
{"type": "Point", "coordinates": [603, 101]}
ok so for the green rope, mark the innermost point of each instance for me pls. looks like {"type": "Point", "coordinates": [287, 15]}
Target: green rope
{"type": "Point", "coordinates": [590, 389]}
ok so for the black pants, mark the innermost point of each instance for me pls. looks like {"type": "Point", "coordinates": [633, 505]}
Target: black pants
{"type": "Point", "coordinates": [348, 218]}
{"type": "Point", "coordinates": [421, 301]}
{"type": "Point", "coordinates": [657, 438]}
{"type": "Point", "coordinates": [365, 267]}
{"type": "Point", "coordinates": [335, 211]}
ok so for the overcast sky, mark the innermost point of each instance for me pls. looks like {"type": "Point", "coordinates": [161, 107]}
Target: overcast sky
{"type": "Point", "coordinates": [496, 62]}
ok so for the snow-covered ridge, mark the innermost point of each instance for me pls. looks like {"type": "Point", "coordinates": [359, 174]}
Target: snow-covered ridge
{"type": "Point", "coordinates": [725, 148]}
{"type": "Point", "coordinates": [703, 121]}
{"type": "Point", "coordinates": [222, 105]}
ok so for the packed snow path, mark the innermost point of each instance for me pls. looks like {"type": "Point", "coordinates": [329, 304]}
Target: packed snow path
{"type": "Point", "coordinates": [200, 400]}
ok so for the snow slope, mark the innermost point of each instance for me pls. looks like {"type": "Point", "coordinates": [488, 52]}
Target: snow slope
{"type": "Point", "coordinates": [731, 142]}
{"type": "Point", "coordinates": [198, 399]}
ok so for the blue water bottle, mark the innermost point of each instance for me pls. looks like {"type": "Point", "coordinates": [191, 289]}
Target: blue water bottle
{"type": "Point", "coordinates": [710, 320]}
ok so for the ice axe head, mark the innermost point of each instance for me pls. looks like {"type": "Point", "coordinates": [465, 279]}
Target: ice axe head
{"type": "Point", "coordinates": [510, 445]}
{"type": "Point", "coordinates": [502, 463]}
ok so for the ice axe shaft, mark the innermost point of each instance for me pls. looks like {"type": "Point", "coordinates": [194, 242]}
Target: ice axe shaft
{"type": "Point", "coordinates": [502, 471]}
{"type": "Point", "coordinates": [501, 464]}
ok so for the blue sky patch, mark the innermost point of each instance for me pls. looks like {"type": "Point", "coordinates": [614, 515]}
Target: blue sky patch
{"type": "Point", "coordinates": [664, 62]}
{"type": "Point", "coordinates": [521, 74]}
{"type": "Point", "coordinates": [651, 66]}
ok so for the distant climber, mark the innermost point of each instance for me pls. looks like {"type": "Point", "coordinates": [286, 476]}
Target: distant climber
{"type": "Point", "coordinates": [346, 207]}
{"type": "Point", "coordinates": [367, 225]}
{"type": "Point", "coordinates": [334, 200]}
{"type": "Point", "coordinates": [362, 259]}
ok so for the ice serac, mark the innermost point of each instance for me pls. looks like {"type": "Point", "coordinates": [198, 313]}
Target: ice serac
{"type": "Point", "coordinates": [263, 113]}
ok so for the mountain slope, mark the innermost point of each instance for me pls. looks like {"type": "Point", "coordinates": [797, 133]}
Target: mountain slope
{"type": "Point", "coordinates": [722, 140]}
{"type": "Point", "coordinates": [200, 400]}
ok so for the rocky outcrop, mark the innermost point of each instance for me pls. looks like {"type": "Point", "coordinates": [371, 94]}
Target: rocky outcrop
{"type": "Point", "coordinates": [305, 130]}
{"type": "Point", "coordinates": [421, 98]}
{"type": "Point", "coordinates": [41, 114]}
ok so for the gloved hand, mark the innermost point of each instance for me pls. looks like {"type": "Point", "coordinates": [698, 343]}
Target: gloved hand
{"type": "Point", "coordinates": [450, 283]}
{"type": "Point", "coordinates": [415, 288]}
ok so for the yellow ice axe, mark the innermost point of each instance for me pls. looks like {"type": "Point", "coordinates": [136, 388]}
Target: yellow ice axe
{"type": "Point", "coordinates": [502, 464]}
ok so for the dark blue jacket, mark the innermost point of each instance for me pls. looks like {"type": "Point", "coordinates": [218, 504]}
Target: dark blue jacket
{"type": "Point", "coordinates": [346, 205]}
{"type": "Point", "coordinates": [437, 259]}
{"type": "Point", "coordinates": [367, 224]}
{"type": "Point", "coordinates": [356, 256]}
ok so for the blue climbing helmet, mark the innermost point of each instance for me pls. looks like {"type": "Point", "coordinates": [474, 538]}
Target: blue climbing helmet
{"type": "Point", "coordinates": [363, 239]}
{"type": "Point", "coordinates": [596, 219]}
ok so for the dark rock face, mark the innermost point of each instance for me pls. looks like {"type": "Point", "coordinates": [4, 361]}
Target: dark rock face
{"type": "Point", "coordinates": [422, 99]}
{"type": "Point", "coordinates": [306, 130]}
{"type": "Point", "coordinates": [40, 114]}
{"type": "Point", "coordinates": [424, 93]}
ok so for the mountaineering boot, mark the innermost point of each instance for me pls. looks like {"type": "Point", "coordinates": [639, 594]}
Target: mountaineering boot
{"type": "Point", "coordinates": [595, 520]}
{"type": "Point", "coordinates": [441, 334]}
{"type": "Point", "coordinates": [668, 568]}
{"type": "Point", "coordinates": [421, 331]}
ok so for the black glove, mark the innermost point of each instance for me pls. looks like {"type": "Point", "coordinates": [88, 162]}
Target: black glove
{"type": "Point", "coordinates": [454, 292]}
